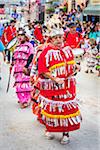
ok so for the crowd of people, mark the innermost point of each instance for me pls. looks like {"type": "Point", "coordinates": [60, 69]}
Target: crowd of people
{"type": "Point", "coordinates": [45, 64]}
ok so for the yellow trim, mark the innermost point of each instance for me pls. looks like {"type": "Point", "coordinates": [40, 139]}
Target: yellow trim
{"type": "Point", "coordinates": [60, 116]}
{"type": "Point", "coordinates": [71, 62]}
{"type": "Point", "coordinates": [61, 64]}
{"type": "Point", "coordinates": [57, 66]}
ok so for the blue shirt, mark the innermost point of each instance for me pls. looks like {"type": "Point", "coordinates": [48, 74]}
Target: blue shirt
{"type": "Point", "coordinates": [93, 35]}
{"type": "Point", "coordinates": [2, 48]}
{"type": "Point", "coordinates": [1, 30]}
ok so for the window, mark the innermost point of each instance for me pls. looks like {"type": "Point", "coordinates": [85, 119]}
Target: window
{"type": "Point", "coordinates": [1, 5]}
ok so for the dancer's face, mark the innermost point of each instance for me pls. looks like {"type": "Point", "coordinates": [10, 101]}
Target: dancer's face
{"type": "Point", "coordinates": [73, 29]}
{"type": "Point", "coordinates": [57, 40]}
{"type": "Point", "coordinates": [21, 38]}
{"type": "Point", "coordinates": [13, 24]}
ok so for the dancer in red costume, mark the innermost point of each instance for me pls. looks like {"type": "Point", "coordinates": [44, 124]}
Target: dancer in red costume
{"type": "Point", "coordinates": [57, 98]}
{"type": "Point", "coordinates": [35, 79]}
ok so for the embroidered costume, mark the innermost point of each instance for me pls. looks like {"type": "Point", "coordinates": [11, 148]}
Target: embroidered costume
{"type": "Point", "coordinates": [35, 80]}
{"type": "Point", "coordinates": [59, 107]}
{"type": "Point", "coordinates": [22, 85]}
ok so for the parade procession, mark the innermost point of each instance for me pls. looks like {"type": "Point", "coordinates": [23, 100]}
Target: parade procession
{"type": "Point", "coordinates": [49, 75]}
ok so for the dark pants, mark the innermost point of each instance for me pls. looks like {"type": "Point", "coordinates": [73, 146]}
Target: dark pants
{"type": "Point", "coordinates": [8, 54]}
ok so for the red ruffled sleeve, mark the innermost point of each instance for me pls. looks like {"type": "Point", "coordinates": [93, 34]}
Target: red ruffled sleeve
{"type": "Point", "coordinates": [42, 63]}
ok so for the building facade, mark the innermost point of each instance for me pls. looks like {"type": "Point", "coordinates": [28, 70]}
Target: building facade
{"type": "Point", "coordinates": [92, 11]}
{"type": "Point", "coordinates": [72, 4]}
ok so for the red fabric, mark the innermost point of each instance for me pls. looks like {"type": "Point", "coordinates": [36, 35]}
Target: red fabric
{"type": "Point", "coordinates": [3, 39]}
{"type": "Point", "coordinates": [38, 34]}
{"type": "Point", "coordinates": [66, 111]}
{"type": "Point", "coordinates": [35, 108]}
{"type": "Point", "coordinates": [37, 111]}
{"type": "Point", "coordinates": [73, 40]}
{"type": "Point", "coordinates": [50, 94]}
{"type": "Point", "coordinates": [43, 69]}
{"type": "Point", "coordinates": [11, 33]}
{"type": "Point", "coordinates": [62, 129]}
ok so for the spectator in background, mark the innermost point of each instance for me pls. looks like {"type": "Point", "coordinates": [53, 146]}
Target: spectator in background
{"type": "Point", "coordinates": [9, 34]}
{"type": "Point", "coordinates": [97, 29]}
{"type": "Point", "coordinates": [3, 38]}
{"type": "Point", "coordinates": [79, 27]}
{"type": "Point", "coordinates": [93, 33]}
{"type": "Point", "coordinates": [38, 33]}
{"type": "Point", "coordinates": [82, 6]}
{"type": "Point", "coordinates": [91, 56]}
{"type": "Point", "coordinates": [14, 15]}
{"type": "Point", "coordinates": [98, 59]}
{"type": "Point", "coordinates": [73, 34]}
{"type": "Point", "coordinates": [85, 44]}
{"type": "Point", "coordinates": [79, 8]}
{"type": "Point", "coordinates": [73, 16]}
{"type": "Point", "coordinates": [79, 16]}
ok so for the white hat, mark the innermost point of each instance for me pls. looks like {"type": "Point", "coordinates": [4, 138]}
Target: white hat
{"type": "Point", "coordinates": [56, 32]}
{"type": "Point", "coordinates": [23, 32]}
{"type": "Point", "coordinates": [54, 26]}
{"type": "Point", "coordinates": [46, 33]}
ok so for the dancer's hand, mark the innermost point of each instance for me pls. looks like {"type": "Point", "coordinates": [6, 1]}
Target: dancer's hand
{"type": "Point", "coordinates": [26, 71]}
{"type": "Point", "coordinates": [59, 81]}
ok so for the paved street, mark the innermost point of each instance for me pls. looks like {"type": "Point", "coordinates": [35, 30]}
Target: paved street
{"type": "Point", "coordinates": [19, 129]}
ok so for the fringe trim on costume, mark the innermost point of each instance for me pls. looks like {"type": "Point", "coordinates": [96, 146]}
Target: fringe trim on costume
{"type": "Point", "coordinates": [44, 102]}
{"type": "Point", "coordinates": [58, 71]}
{"type": "Point", "coordinates": [53, 54]}
{"type": "Point", "coordinates": [67, 52]}
{"type": "Point", "coordinates": [60, 116]}
{"type": "Point", "coordinates": [62, 122]}
{"type": "Point", "coordinates": [47, 84]}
